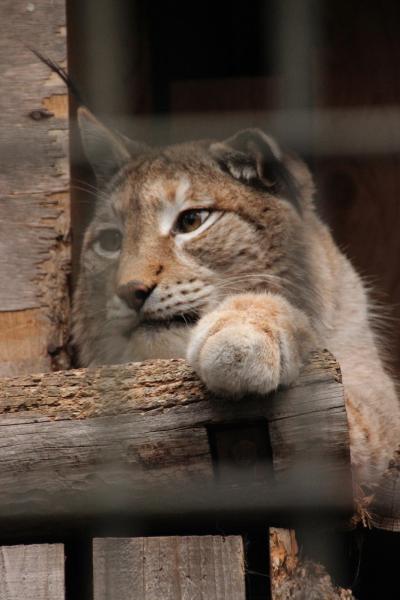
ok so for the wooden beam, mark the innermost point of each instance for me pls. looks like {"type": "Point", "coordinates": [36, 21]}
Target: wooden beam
{"type": "Point", "coordinates": [34, 197]}
{"type": "Point", "coordinates": [35, 571]}
{"type": "Point", "coordinates": [135, 438]}
{"type": "Point", "coordinates": [169, 567]}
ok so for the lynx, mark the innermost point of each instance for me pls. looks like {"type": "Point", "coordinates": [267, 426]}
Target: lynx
{"type": "Point", "coordinates": [213, 251]}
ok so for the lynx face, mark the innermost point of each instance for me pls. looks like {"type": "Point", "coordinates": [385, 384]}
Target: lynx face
{"type": "Point", "coordinates": [174, 233]}
{"type": "Point", "coordinates": [213, 252]}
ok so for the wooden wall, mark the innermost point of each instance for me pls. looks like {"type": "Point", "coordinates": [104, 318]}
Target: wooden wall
{"type": "Point", "coordinates": [34, 198]}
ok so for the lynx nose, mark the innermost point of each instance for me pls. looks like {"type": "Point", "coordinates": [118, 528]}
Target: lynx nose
{"type": "Point", "coordinates": [135, 293]}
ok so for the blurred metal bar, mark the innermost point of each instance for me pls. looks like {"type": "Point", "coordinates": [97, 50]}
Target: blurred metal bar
{"type": "Point", "coordinates": [336, 132]}
{"type": "Point", "coordinates": [296, 30]}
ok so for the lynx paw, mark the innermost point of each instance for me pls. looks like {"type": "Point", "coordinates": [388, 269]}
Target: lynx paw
{"type": "Point", "coordinates": [242, 348]}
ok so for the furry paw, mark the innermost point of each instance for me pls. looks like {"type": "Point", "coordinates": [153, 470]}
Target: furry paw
{"type": "Point", "coordinates": [249, 345]}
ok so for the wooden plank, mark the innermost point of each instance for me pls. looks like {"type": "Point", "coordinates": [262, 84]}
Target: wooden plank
{"type": "Point", "coordinates": [34, 102]}
{"type": "Point", "coordinates": [134, 438]}
{"type": "Point", "coordinates": [35, 572]}
{"type": "Point", "coordinates": [171, 568]}
{"type": "Point", "coordinates": [34, 198]}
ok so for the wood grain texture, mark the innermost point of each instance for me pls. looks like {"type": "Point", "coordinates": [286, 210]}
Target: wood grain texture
{"type": "Point", "coordinates": [34, 198]}
{"type": "Point", "coordinates": [283, 552]}
{"type": "Point", "coordinates": [171, 568]}
{"type": "Point", "coordinates": [384, 509]}
{"type": "Point", "coordinates": [134, 438]}
{"type": "Point", "coordinates": [23, 339]}
{"type": "Point", "coordinates": [297, 578]}
{"type": "Point", "coordinates": [34, 572]}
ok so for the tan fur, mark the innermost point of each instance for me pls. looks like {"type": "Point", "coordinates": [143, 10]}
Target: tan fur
{"type": "Point", "coordinates": [265, 279]}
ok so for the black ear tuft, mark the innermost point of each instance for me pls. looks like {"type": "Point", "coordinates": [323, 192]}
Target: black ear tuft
{"type": "Point", "coordinates": [60, 71]}
{"type": "Point", "coordinates": [255, 159]}
{"type": "Point", "coordinates": [106, 150]}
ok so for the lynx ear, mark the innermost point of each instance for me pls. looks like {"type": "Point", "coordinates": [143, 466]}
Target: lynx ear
{"type": "Point", "coordinates": [255, 159]}
{"type": "Point", "coordinates": [106, 151]}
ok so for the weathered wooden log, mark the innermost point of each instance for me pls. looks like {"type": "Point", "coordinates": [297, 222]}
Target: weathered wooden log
{"type": "Point", "coordinates": [125, 437]}
{"type": "Point", "coordinates": [143, 438]}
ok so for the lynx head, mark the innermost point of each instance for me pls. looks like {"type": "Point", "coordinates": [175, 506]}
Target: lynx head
{"type": "Point", "coordinates": [176, 230]}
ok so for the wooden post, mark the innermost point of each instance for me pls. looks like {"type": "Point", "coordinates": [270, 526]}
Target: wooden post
{"type": "Point", "coordinates": [34, 198]}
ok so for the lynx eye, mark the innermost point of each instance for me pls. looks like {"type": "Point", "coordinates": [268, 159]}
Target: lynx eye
{"type": "Point", "coordinates": [189, 220]}
{"type": "Point", "coordinates": [108, 243]}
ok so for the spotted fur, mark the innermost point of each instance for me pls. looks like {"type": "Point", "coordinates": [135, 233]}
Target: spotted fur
{"type": "Point", "coordinates": [246, 295]}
